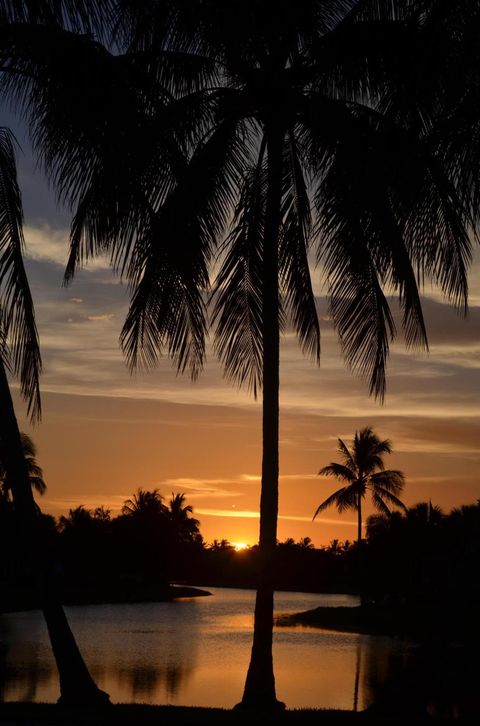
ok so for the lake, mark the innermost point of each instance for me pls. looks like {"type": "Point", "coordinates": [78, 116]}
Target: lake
{"type": "Point", "coordinates": [196, 652]}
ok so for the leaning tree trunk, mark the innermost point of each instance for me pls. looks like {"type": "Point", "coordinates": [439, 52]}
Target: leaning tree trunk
{"type": "Point", "coordinates": [76, 684]}
{"type": "Point", "coordinates": [260, 682]}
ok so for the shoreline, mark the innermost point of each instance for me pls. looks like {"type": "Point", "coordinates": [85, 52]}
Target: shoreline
{"type": "Point", "coordinates": [84, 599]}
{"type": "Point", "coordinates": [419, 623]}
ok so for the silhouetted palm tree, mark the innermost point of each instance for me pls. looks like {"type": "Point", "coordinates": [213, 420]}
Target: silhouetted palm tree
{"type": "Point", "coordinates": [145, 504]}
{"type": "Point", "coordinates": [19, 352]}
{"type": "Point", "coordinates": [77, 519]}
{"type": "Point", "coordinates": [35, 472]}
{"type": "Point", "coordinates": [306, 543]}
{"type": "Point", "coordinates": [238, 106]}
{"type": "Point", "coordinates": [185, 527]}
{"type": "Point", "coordinates": [363, 472]}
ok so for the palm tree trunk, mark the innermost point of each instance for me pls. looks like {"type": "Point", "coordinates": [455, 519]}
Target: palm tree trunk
{"type": "Point", "coordinates": [259, 689]}
{"type": "Point", "coordinates": [359, 513]}
{"type": "Point", "coordinates": [76, 684]}
{"type": "Point", "coordinates": [361, 584]}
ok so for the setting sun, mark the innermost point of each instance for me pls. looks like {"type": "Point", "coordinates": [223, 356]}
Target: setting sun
{"type": "Point", "coordinates": [240, 546]}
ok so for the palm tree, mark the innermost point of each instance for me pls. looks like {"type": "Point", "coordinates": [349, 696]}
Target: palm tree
{"type": "Point", "coordinates": [298, 120]}
{"type": "Point", "coordinates": [145, 504]}
{"type": "Point", "coordinates": [77, 519]}
{"type": "Point", "coordinates": [185, 527]}
{"type": "Point", "coordinates": [35, 472]}
{"type": "Point", "coordinates": [20, 353]}
{"type": "Point", "coordinates": [362, 470]}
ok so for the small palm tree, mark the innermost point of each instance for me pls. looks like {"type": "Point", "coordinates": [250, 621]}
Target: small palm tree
{"type": "Point", "coordinates": [185, 526]}
{"type": "Point", "coordinates": [35, 472]}
{"type": "Point", "coordinates": [362, 470]}
{"type": "Point", "coordinates": [144, 504]}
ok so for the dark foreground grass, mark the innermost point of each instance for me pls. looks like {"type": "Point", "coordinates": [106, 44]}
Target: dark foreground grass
{"type": "Point", "coordinates": [36, 714]}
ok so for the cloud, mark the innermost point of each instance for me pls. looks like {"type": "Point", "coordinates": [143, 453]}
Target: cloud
{"type": "Point", "coordinates": [77, 300]}
{"type": "Point", "coordinates": [203, 487]}
{"type": "Point", "coordinates": [60, 505]}
{"type": "Point", "coordinates": [251, 514]}
{"type": "Point", "coordinates": [106, 316]}
{"type": "Point", "coordinates": [44, 243]}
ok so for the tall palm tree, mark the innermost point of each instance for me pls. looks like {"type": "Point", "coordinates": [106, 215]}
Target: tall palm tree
{"type": "Point", "coordinates": [303, 122]}
{"type": "Point", "coordinates": [35, 473]}
{"type": "Point", "coordinates": [362, 470]}
{"type": "Point", "coordinates": [20, 354]}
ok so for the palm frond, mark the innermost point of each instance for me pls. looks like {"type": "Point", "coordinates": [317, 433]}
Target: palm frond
{"type": "Point", "coordinates": [167, 311]}
{"type": "Point", "coordinates": [28, 447]}
{"type": "Point", "coordinates": [294, 270]}
{"type": "Point", "coordinates": [366, 252]}
{"type": "Point", "coordinates": [339, 471]}
{"type": "Point", "coordinates": [238, 307]}
{"type": "Point", "coordinates": [346, 455]}
{"type": "Point", "coordinates": [379, 504]}
{"type": "Point", "coordinates": [80, 16]}
{"type": "Point", "coordinates": [17, 323]}
{"type": "Point", "coordinates": [114, 212]}
{"type": "Point", "coordinates": [170, 270]}
{"type": "Point", "coordinates": [350, 249]}
{"type": "Point", "coordinates": [368, 449]}
{"type": "Point", "coordinates": [37, 482]}
{"type": "Point", "coordinates": [387, 495]}
{"type": "Point", "coordinates": [344, 498]}
{"type": "Point", "coordinates": [437, 232]}
{"type": "Point", "coordinates": [390, 479]}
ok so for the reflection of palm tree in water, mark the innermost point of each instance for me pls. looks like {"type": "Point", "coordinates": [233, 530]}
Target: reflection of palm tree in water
{"type": "Point", "coordinates": [357, 675]}
{"type": "Point", "coordinates": [160, 664]}
{"type": "Point", "coordinates": [413, 680]}
{"type": "Point", "coordinates": [3, 670]}
{"type": "Point", "coordinates": [22, 666]}
{"type": "Point", "coordinates": [154, 682]}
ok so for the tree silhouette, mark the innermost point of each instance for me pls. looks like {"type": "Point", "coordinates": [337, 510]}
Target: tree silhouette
{"type": "Point", "coordinates": [184, 526]}
{"type": "Point", "coordinates": [363, 471]}
{"type": "Point", "coordinates": [300, 121]}
{"type": "Point", "coordinates": [19, 352]}
{"type": "Point", "coordinates": [145, 504]}
{"type": "Point", "coordinates": [35, 472]}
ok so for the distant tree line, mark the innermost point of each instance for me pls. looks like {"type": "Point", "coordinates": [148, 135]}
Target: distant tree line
{"type": "Point", "coordinates": [419, 555]}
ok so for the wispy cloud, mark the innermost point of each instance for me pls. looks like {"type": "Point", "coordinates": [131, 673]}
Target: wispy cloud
{"type": "Point", "coordinates": [202, 487]}
{"type": "Point", "coordinates": [106, 316]}
{"type": "Point", "coordinates": [251, 514]}
{"type": "Point", "coordinates": [254, 478]}
{"type": "Point", "coordinates": [44, 243]}
{"type": "Point", "coordinates": [114, 502]}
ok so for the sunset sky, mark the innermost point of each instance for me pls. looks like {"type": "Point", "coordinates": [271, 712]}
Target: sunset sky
{"type": "Point", "coordinates": [105, 433]}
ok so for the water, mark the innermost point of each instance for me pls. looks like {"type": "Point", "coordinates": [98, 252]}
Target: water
{"type": "Point", "coordinates": [196, 652]}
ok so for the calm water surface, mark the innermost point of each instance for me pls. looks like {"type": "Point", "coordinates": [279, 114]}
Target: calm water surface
{"type": "Point", "coordinates": [196, 652]}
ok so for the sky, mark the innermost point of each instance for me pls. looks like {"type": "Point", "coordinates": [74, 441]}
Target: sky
{"type": "Point", "coordinates": [105, 433]}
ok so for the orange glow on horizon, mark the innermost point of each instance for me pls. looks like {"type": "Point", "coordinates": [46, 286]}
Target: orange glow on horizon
{"type": "Point", "coordinates": [240, 546]}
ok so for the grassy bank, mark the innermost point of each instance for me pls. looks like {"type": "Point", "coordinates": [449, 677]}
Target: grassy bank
{"type": "Point", "coordinates": [29, 714]}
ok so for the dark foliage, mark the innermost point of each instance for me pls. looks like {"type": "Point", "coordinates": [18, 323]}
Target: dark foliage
{"type": "Point", "coordinates": [418, 559]}
{"type": "Point", "coordinates": [425, 556]}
